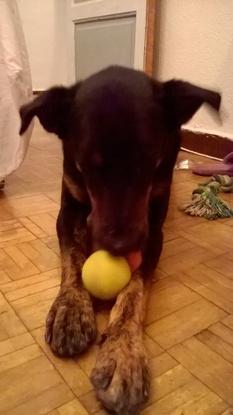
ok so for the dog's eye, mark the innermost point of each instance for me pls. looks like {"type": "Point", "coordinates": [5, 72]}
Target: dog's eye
{"type": "Point", "coordinates": [78, 166]}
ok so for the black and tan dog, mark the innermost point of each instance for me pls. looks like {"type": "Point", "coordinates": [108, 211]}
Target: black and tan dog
{"type": "Point", "coordinates": [120, 132]}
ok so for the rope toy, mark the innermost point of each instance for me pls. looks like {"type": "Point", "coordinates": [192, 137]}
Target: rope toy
{"type": "Point", "coordinates": [205, 202]}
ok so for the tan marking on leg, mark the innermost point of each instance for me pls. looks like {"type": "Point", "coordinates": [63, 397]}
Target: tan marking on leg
{"type": "Point", "coordinates": [79, 194]}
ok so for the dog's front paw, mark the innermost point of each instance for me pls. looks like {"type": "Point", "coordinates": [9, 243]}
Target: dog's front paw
{"type": "Point", "coordinates": [121, 375]}
{"type": "Point", "coordinates": [70, 325]}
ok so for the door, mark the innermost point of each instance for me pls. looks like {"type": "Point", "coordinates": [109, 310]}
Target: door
{"type": "Point", "coordinates": [105, 32]}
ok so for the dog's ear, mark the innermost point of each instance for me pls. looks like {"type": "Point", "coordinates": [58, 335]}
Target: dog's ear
{"type": "Point", "coordinates": [52, 107]}
{"type": "Point", "coordinates": [183, 99]}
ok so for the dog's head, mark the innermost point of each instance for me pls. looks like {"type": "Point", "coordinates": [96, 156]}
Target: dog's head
{"type": "Point", "coordinates": [120, 133]}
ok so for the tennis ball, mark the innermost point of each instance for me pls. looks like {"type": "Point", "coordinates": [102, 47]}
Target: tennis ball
{"type": "Point", "coordinates": [105, 275]}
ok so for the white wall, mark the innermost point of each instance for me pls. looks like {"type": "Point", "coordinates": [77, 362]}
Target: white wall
{"type": "Point", "coordinates": [194, 41]}
{"type": "Point", "coordinates": [45, 32]}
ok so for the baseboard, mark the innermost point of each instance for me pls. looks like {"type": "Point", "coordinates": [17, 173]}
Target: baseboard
{"type": "Point", "coordinates": [207, 144]}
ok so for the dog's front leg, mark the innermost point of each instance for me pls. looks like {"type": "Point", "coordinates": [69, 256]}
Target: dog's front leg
{"type": "Point", "coordinates": [70, 325]}
{"type": "Point", "coordinates": [121, 374]}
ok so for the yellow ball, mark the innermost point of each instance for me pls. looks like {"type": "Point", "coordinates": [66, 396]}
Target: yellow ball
{"type": "Point", "coordinates": [104, 275]}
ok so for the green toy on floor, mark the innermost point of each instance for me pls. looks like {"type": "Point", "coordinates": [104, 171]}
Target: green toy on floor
{"type": "Point", "coordinates": [205, 202]}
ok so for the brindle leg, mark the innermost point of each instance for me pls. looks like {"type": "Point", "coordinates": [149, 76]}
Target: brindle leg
{"type": "Point", "coordinates": [70, 325]}
{"type": "Point", "coordinates": [121, 374]}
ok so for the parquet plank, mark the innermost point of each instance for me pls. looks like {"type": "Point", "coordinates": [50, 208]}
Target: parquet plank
{"type": "Point", "coordinates": [223, 265]}
{"type": "Point", "coordinates": [4, 277]}
{"type": "Point", "coordinates": [24, 383]}
{"type": "Point", "coordinates": [40, 254]}
{"type": "Point", "coordinates": [185, 260]}
{"type": "Point", "coordinates": [6, 225]}
{"type": "Point", "coordinates": [19, 357]}
{"type": "Point", "coordinates": [18, 265]}
{"type": "Point", "coordinates": [69, 369]}
{"type": "Point", "coordinates": [184, 323]}
{"type": "Point", "coordinates": [15, 343]}
{"type": "Point", "coordinates": [206, 365]}
{"type": "Point", "coordinates": [168, 382]}
{"type": "Point", "coordinates": [71, 408]}
{"type": "Point", "coordinates": [46, 222]}
{"type": "Point", "coordinates": [13, 236]}
{"type": "Point", "coordinates": [45, 401]}
{"type": "Point", "coordinates": [28, 205]}
{"type": "Point", "coordinates": [228, 321]}
{"type": "Point", "coordinates": [33, 309]}
{"type": "Point", "coordinates": [52, 243]}
{"type": "Point", "coordinates": [213, 232]}
{"type": "Point", "coordinates": [170, 296]}
{"type": "Point", "coordinates": [10, 324]}
{"type": "Point", "coordinates": [217, 344]}
{"type": "Point", "coordinates": [186, 400]}
{"type": "Point", "coordinates": [212, 279]}
{"type": "Point", "coordinates": [32, 227]}
{"type": "Point", "coordinates": [223, 332]}
{"type": "Point", "coordinates": [206, 292]}
{"type": "Point", "coordinates": [31, 285]}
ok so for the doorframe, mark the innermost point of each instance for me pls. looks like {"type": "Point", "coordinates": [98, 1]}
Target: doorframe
{"type": "Point", "coordinates": [150, 37]}
{"type": "Point", "coordinates": [144, 41]}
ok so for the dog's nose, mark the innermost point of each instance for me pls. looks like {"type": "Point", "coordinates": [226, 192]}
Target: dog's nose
{"type": "Point", "coordinates": [124, 244]}
{"type": "Point", "coordinates": [118, 248]}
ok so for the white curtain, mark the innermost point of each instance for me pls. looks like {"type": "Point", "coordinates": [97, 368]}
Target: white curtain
{"type": "Point", "coordinates": [15, 88]}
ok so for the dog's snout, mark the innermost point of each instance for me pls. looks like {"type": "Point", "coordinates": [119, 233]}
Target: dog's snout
{"type": "Point", "coordinates": [118, 233]}
{"type": "Point", "coordinates": [122, 244]}
{"type": "Point", "coordinates": [118, 247]}
{"type": "Point", "coordinates": [115, 247]}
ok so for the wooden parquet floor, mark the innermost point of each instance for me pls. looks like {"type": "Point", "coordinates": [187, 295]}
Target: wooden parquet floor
{"type": "Point", "coordinates": [189, 326]}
